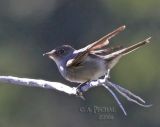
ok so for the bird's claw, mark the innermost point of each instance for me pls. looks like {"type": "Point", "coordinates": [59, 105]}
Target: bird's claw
{"type": "Point", "coordinates": [79, 93]}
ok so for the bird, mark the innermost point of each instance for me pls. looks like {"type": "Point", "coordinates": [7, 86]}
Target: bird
{"type": "Point", "coordinates": [91, 62]}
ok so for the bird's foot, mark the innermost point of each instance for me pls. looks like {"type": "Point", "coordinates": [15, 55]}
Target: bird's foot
{"type": "Point", "coordinates": [79, 91]}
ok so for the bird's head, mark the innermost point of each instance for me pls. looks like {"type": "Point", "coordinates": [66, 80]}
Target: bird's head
{"type": "Point", "coordinates": [60, 54]}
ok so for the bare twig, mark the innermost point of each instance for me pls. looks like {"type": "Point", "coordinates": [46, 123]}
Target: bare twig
{"type": "Point", "coordinates": [46, 84]}
{"type": "Point", "coordinates": [128, 95]}
{"type": "Point", "coordinates": [116, 98]}
{"type": "Point", "coordinates": [72, 90]}
{"type": "Point", "coordinates": [38, 83]}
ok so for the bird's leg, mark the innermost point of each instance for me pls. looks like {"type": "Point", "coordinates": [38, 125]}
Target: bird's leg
{"type": "Point", "coordinates": [79, 90]}
{"type": "Point", "coordinates": [107, 75]}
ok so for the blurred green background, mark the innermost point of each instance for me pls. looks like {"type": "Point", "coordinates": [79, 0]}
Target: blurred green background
{"type": "Point", "coordinates": [28, 28]}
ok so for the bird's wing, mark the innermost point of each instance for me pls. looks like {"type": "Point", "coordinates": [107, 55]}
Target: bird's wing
{"type": "Point", "coordinates": [105, 39]}
{"type": "Point", "coordinates": [106, 51]}
{"type": "Point", "coordinates": [83, 53]}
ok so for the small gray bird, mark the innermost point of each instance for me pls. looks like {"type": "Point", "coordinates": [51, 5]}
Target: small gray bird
{"type": "Point", "coordinates": [92, 61]}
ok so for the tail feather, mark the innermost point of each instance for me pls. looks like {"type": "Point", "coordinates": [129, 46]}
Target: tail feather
{"type": "Point", "coordinates": [127, 50]}
{"type": "Point", "coordinates": [114, 57]}
{"type": "Point", "coordinates": [135, 46]}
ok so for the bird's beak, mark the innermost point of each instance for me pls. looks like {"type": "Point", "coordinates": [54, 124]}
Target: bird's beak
{"type": "Point", "coordinates": [49, 54]}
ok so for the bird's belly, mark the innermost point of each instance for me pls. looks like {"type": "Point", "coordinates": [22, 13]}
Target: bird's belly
{"type": "Point", "coordinates": [85, 72]}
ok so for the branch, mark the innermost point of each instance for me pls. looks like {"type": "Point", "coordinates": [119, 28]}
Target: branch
{"type": "Point", "coordinates": [38, 83]}
{"type": "Point", "coordinates": [73, 90]}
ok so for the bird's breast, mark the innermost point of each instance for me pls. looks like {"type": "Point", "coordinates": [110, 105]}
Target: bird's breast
{"type": "Point", "coordinates": [90, 69]}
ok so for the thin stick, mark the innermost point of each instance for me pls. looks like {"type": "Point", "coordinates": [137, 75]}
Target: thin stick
{"type": "Point", "coordinates": [116, 98]}
{"type": "Point", "coordinates": [124, 93]}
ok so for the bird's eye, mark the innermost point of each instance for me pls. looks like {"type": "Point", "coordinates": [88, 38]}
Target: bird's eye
{"type": "Point", "coordinates": [61, 51]}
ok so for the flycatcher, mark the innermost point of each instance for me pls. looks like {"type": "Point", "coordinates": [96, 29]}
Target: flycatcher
{"type": "Point", "coordinates": [91, 62]}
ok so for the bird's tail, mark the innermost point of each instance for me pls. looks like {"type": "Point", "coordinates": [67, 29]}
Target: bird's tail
{"type": "Point", "coordinates": [127, 50]}
{"type": "Point", "coordinates": [114, 57]}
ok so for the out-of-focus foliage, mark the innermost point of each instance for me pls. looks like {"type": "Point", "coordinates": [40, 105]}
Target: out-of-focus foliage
{"type": "Point", "coordinates": [28, 28]}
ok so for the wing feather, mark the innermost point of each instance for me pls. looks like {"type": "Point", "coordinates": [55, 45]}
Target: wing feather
{"type": "Point", "coordinates": [81, 54]}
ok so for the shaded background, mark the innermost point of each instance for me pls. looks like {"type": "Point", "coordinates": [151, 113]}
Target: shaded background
{"type": "Point", "coordinates": [28, 28]}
